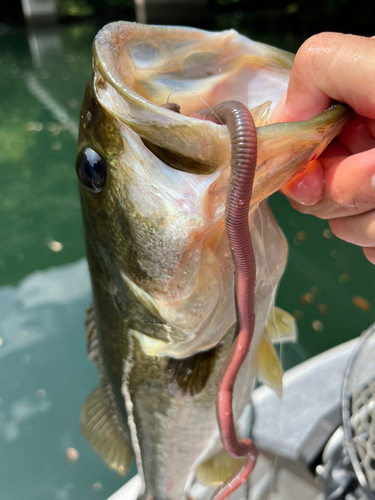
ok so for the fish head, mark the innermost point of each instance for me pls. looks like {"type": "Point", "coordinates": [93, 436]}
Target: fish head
{"type": "Point", "coordinates": [154, 182]}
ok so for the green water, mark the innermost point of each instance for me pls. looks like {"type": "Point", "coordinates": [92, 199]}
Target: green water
{"type": "Point", "coordinates": [44, 376]}
{"type": "Point", "coordinates": [39, 197]}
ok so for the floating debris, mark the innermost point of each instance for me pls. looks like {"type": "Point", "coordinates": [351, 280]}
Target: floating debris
{"type": "Point", "coordinates": [73, 103]}
{"type": "Point", "coordinates": [1, 341]}
{"type": "Point", "coordinates": [307, 298]}
{"type": "Point", "coordinates": [343, 279]}
{"type": "Point", "coordinates": [335, 253]}
{"type": "Point", "coordinates": [314, 289]}
{"type": "Point", "coordinates": [97, 487]}
{"type": "Point", "coordinates": [69, 58]}
{"type": "Point", "coordinates": [53, 245]}
{"type": "Point", "coordinates": [317, 325]}
{"type": "Point", "coordinates": [34, 126]}
{"type": "Point", "coordinates": [56, 145]}
{"type": "Point", "coordinates": [323, 309]}
{"type": "Point", "coordinates": [301, 235]}
{"type": "Point", "coordinates": [327, 233]}
{"type": "Point", "coordinates": [362, 303]}
{"type": "Point", "coordinates": [298, 314]}
{"type": "Point", "coordinates": [72, 454]}
{"type": "Point", "coordinates": [53, 127]}
{"type": "Point", "coordinates": [41, 393]}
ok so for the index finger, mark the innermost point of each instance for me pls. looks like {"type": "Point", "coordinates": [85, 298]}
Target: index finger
{"type": "Point", "coordinates": [330, 66]}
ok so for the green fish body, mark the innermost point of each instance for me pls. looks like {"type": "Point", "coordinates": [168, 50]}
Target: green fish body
{"type": "Point", "coordinates": [153, 186]}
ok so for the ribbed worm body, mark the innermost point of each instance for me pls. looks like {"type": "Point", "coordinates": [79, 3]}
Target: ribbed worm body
{"type": "Point", "coordinates": [243, 163]}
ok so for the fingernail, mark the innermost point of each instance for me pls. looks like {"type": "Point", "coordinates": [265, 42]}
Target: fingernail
{"type": "Point", "coordinates": [307, 188]}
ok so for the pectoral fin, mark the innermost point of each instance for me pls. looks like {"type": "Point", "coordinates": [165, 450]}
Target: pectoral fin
{"type": "Point", "coordinates": [103, 433]}
{"type": "Point", "coordinates": [219, 468]}
{"type": "Point", "coordinates": [190, 375]}
{"type": "Point", "coordinates": [270, 371]}
{"type": "Point", "coordinates": [281, 326]}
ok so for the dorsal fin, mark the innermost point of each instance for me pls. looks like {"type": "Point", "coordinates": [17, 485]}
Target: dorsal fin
{"type": "Point", "coordinates": [104, 434]}
{"type": "Point", "coordinates": [190, 374]}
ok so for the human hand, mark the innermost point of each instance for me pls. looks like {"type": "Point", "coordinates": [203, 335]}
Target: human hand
{"type": "Point", "coordinates": [340, 186]}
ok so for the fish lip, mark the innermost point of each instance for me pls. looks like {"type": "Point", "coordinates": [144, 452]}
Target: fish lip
{"type": "Point", "coordinates": [112, 77]}
{"type": "Point", "coordinates": [204, 143]}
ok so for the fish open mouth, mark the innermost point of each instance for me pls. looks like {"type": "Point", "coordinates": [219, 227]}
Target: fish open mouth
{"type": "Point", "coordinates": [170, 171]}
{"type": "Point", "coordinates": [137, 67]}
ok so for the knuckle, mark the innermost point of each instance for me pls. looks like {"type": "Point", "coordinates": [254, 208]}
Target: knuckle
{"type": "Point", "coordinates": [314, 47]}
{"type": "Point", "coordinates": [318, 58]}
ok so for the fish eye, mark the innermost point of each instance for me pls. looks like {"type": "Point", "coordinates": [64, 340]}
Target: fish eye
{"type": "Point", "coordinates": [91, 170]}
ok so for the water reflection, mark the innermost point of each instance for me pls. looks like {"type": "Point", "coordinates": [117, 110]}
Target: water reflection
{"type": "Point", "coordinates": [27, 317]}
{"type": "Point", "coordinates": [45, 45]}
{"type": "Point", "coordinates": [43, 381]}
{"type": "Point", "coordinates": [18, 413]}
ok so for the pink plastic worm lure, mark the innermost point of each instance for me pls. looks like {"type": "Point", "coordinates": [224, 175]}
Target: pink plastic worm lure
{"type": "Point", "coordinates": [243, 163]}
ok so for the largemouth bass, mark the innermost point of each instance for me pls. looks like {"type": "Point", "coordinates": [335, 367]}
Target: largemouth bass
{"type": "Point", "coordinates": [153, 187]}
